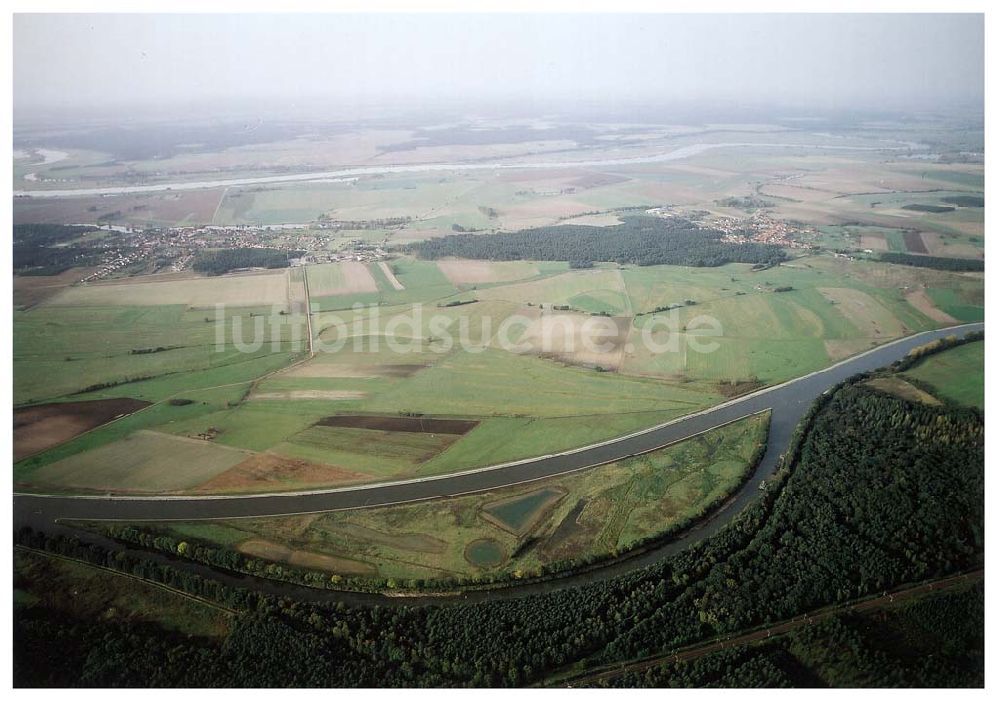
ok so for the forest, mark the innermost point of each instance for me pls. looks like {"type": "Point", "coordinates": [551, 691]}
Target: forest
{"type": "Point", "coordinates": [943, 263]}
{"type": "Point", "coordinates": [641, 240]}
{"type": "Point", "coordinates": [875, 492]}
{"type": "Point", "coordinates": [44, 235]}
{"type": "Point", "coordinates": [935, 641]}
{"type": "Point", "coordinates": [964, 201]}
{"type": "Point", "coordinates": [40, 249]}
{"type": "Point", "coordinates": [220, 261]}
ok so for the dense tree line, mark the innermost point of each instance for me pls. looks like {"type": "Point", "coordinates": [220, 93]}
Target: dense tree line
{"type": "Point", "coordinates": [639, 240]}
{"type": "Point", "coordinates": [32, 260]}
{"type": "Point", "coordinates": [740, 667]}
{"type": "Point", "coordinates": [326, 222]}
{"type": "Point", "coordinates": [942, 263]}
{"type": "Point", "coordinates": [874, 492]}
{"type": "Point", "coordinates": [260, 651]}
{"type": "Point", "coordinates": [965, 201]}
{"type": "Point", "coordinates": [219, 261]}
{"type": "Point", "coordinates": [45, 235]}
{"type": "Point", "coordinates": [925, 208]}
{"type": "Point", "coordinates": [885, 492]}
{"type": "Point", "coordinates": [939, 345]}
{"type": "Point", "coordinates": [40, 249]}
{"type": "Point", "coordinates": [936, 641]}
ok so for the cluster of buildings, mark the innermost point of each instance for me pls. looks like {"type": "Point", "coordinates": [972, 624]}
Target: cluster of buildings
{"type": "Point", "coordinates": [115, 260]}
{"type": "Point", "coordinates": [180, 245]}
{"type": "Point", "coordinates": [182, 262]}
{"type": "Point", "coordinates": [758, 227]}
{"type": "Point", "coordinates": [355, 251]}
{"type": "Point", "coordinates": [233, 236]}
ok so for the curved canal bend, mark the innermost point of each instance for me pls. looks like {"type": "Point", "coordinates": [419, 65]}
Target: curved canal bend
{"type": "Point", "coordinates": [788, 403]}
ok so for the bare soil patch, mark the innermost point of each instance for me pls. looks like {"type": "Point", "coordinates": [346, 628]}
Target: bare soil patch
{"type": "Point", "coordinates": [268, 471]}
{"type": "Point", "coordinates": [539, 211]}
{"type": "Point", "coordinates": [310, 395]}
{"type": "Point", "coordinates": [941, 245]}
{"type": "Point", "coordinates": [738, 387]}
{"type": "Point", "coordinates": [922, 302]}
{"type": "Point", "coordinates": [404, 424]}
{"type": "Point", "coordinates": [875, 243]}
{"type": "Point", "coordinates": [842, 349]}
{"type": "Point", "coordinates": [584, 340]}
{"type": "Point", "coordinates": [914, 242]}
{"type": "Point", "coordinates": [340, 279]}
{"type": "Point", "coordinates": [274, 552]}
{"type": "Point", "coordinates": [38, 428]}
{"type": "Point", "coordinates": [869, 316]}
{"type": "Point", "coordinates": [569, 535]}
{"type": "Point", "coordinates": [252, 288]}
{"type": "Point", "coordinates": [601, 220]}
{"type": "Point", "coordinates": [387, 270]}
{"type": "Point", "coordinates": [296, 295]}
{"type": "Point", "coordinates": [29, 291]}
{"type": "Point", "coordinates": [903, 389]}
{"type": "Point", "coordinates": [357, 278]}
{"type": "Point", "coordinates": [597, 180]}
{"type": "Point", "coordinates": [553, 175]}
{"type": "Point", "coordinates": [471, 271]}
{"type": "Point", "coordinates": [143, 462]}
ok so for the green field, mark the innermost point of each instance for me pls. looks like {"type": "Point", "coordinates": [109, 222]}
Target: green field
{"type": "Point", "coordinates": [528, 404]}
{"type": "Point", "coordinates": [956, 375]}
{"type": "Point", "coordinates": [153, 338]}
{"type": "Point", "coordinates": [158, 415]}
{"type": "Point", "coordinates": [493, 382]}
{"type": "Point", "coordinates": [595, 512]}
{"type": "Point", "coordinates": [143, 461]}
{"type": "Point", "coordinates": [62, 350]}
{"type": "Point", "coordinates": [603, 286]}
{"type": "Point", "coordinates": [834, 308]}
{"type": "Point", "coordinates": [964, 302]}
{"type": "Point", "coordinates": [374, 452]}
{"type": "Point", "coordinates": [532, 406]}
{"type": "Point", "coordinates": [79, 343]}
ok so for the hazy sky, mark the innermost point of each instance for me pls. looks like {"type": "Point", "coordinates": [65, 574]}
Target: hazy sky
{"type": "Point", "coordinates": [826, 61]}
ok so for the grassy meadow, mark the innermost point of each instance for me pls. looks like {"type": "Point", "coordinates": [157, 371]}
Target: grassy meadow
{"type": "Point", "coordinates": [956, 375]}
